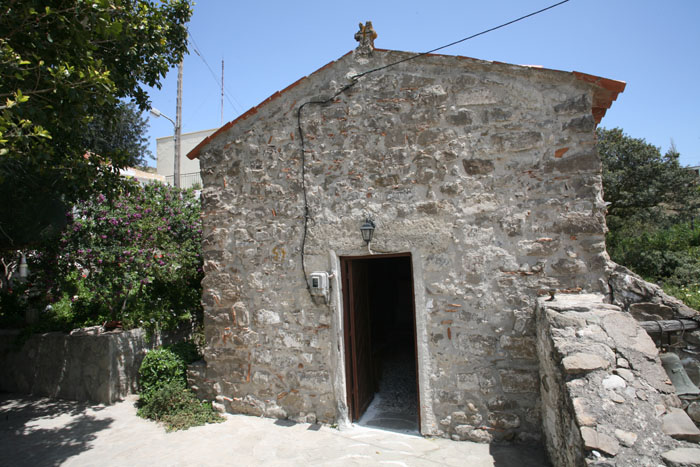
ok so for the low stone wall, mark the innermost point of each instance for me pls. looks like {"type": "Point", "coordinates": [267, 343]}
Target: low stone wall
{"type": "Point", "coordinates": [99, 368]}
{"type": "Point", "coordinates": [606, 399]}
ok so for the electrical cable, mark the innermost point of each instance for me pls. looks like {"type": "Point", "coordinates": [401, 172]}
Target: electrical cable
{"type": "Point", "coordinates": [197, 51]}
{"type": "Point", "coordinates": [353, 81]}
{"type": "Point", "coordinates": [459, 41]}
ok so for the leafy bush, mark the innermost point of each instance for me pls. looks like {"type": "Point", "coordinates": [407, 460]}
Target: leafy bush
{"type": "Point", "coordinates": [166, 365]}
{"type": "Point", "coordinates": [159, 368]}
{"type": "Point", "coordinates": [667, 254]}
{"type": "Point", "coordinates": [178, 408]}
{"type": "Point", "coordinates": [164, 395]}
{"type": "Point", "coordinates": [136, 259]}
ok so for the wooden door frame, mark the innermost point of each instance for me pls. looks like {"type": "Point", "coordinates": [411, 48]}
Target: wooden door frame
{"type": "Point", "coordinates": [348, 303]}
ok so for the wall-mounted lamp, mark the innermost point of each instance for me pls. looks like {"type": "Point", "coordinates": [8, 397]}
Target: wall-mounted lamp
{"type": "Point", "coordinates": [367, 230]}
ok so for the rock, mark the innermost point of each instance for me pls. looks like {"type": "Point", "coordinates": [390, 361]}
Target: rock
{"type": "Point", "coordinates": [582, 415]}
{"type": "Point", "coordinates": [614, 382]}
{"type": "Point", "coordinates": [623, 363]}
{"type": "Point", "coordinates": [677, 424]}
{"type": "Point", "coordinates": [648, 311]}
{"type": "Point", "coordinates": [599, 441]}
{"type": "Point", "coordinates": [694, 411]}
{"type": "Point", "coordinates": [469, 433]}
{"type": "Point", "coordinates": [461, 418]}
{"type": "Point", "coordinates": [504, 420]}
{"type": "Point", "coordinates": [617, 398]}
{"type": "Point", "coordinates": [693, 337]}
{"type": "Point", "coordinates": [627, 438]}
{"type": "Point", "coordinates": [682, 457]}
{"type": "Point", "coordinates": [628, 335]}
{"type": "Point", "coordinates": [627, 375]}
{"type": "Point", "coordinates": [583, 363]}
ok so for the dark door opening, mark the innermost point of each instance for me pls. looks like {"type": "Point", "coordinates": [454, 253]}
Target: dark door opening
{"type": "Point", "coordinates": [380, 341]}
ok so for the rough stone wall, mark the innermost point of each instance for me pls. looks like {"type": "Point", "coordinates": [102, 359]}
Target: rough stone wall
{"type": "Point", "coordinates": [486, 173]}
{"type": "Point", "coordinates": [99, 368]}
{"type": "Point", "coordinates": [606, 399]}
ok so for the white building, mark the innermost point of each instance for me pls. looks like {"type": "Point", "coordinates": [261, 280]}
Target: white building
{"type": "Point", "coordinates": [189, 169]}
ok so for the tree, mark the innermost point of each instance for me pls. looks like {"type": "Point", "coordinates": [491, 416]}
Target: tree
{"type": "Point", "coordinates": [126, 135]}
{"type": "Point", "coordinates": [639, 183]}
{"type": "Point", "coordinates": [652, 205]}
{"type": "Point", "coordinates": [66, 66]}
{"type": "Point", "coordinates": [136, 259]}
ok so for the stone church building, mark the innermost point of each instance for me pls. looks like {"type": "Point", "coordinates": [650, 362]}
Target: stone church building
{"type": "Point", "coordinates": [483, 185]}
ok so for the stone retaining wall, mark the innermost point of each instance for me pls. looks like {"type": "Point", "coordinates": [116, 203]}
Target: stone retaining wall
{"type": "Point", "coordinates": [99, 368]}
{"type": "Point", "coordinates": [606, 399]}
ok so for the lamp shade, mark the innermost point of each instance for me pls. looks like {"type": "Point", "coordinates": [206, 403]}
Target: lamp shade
{"type": "Point", "coordinates": [367, 230]}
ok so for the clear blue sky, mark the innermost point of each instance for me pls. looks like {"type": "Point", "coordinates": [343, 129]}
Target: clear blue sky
{"type": "Point", "coordinates": [266, 45]}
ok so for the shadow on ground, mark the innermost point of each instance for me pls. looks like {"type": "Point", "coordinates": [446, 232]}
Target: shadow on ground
{"type": "Point", "coordinates": [44, 431]}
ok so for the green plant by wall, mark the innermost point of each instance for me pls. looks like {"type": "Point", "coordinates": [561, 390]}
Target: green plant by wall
{"type": "Point", "coordinates": [164, 396]}
{"type": "Point", "coordinates": [178, 408]}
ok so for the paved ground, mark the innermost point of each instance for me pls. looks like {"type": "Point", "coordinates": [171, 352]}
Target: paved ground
{"type": "Point", "coordinates": [41, 432]}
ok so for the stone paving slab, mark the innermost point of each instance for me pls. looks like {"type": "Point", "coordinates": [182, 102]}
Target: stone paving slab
{"type": "Point", "coordinates": [46, 432]}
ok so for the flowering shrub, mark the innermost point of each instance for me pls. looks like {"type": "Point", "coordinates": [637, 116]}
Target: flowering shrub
{"type": "Point", "coordinates": [136, 259]}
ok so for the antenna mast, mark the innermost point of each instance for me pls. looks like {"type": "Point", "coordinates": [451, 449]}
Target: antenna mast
{"type": "Point", "coordinates": [222, 91]}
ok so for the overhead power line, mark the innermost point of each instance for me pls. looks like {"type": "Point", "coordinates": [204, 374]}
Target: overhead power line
{"type": "Point", "coordinates": [459, 41]}
{"type": "Point", "coordinates": [197, 50]}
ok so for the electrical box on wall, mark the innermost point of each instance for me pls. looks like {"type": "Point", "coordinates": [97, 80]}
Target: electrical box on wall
{"type": "Point", "coordinates": [320, 284]}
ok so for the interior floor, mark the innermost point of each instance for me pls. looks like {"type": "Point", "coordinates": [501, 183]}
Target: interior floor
{"type": "Point", "coordinates": [395, 404]}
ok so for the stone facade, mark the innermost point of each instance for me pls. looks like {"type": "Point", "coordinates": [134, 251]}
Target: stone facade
{"type": "Point", "coordinates": [486, 173]}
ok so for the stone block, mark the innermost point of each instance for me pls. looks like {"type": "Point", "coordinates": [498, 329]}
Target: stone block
{"type": "Point", "coordinates": [648, 311]}
{"type": "Point", "coordinates": [584, 124]}
{"type": "Point", "coordinates": [520, 347]}
{"type": "Point", "coordinates": [477, 166]}
{"type": "Point", "coordinates": [519, 381]}
{"type": "Point", "coordinates": [582, 362]}
{"type": "Point", "coordinates": [463, 418]}
{"type": "Point", "coordinates": [677, 424]}
{"type": "Point", "coordinates": [627, 438]}
{"type": "Point", "coordinates": [694, 412]}
{"type": "Point", "coordinates": [592, 439]}
{"type": "Point", "coordinates": [504, 420]}
{"type": "Point", "coordinates": [475, 435]}
{"type": "Point", "coordinates": [682, 457]}
{"type": "Point", "coordinates": [614, 382]}
{"type": "Point", "coordinates": [627, 334]}
{"type": "Point", "coordinates": [583, 416]}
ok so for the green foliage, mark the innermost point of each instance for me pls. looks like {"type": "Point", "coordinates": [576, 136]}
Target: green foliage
{"type": "Point", "coordinates": [167, 364]}
{"type": "Point", "coordinates": [136, 259]}
{"type": "Point", "coordinates": [160, 367]}
{"type": "Point", "coordinates": [639, 183]}
{"type": "Point", "coordinates": [668, 254]}
{"type": "Point", "coordinates": [186, 351]}
{"type": "Point", "coordinates": [653, 203]}
{"type": "Point", "coordinates": [164, 395]}
{"type": "Point", "coordinates": [13, 304]}
{"type": "Point", "coordinates": [66, 66]}
{"type": "Point", "coordinates": [177, 408]}
{"type": "Point", "coordinates": [689, 294]}
{"type": "Point", "coordinates": [124, 135]}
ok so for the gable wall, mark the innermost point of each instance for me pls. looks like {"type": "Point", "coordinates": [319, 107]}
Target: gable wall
{"type": "Point", "coordinates": [486, 173]}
